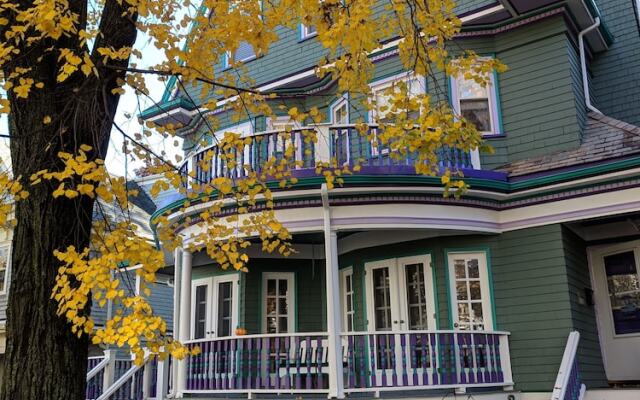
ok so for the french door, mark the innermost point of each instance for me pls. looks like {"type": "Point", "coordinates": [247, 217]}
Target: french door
{"type": "Point", "coordinates": [616, 282]}
{"type": "Point", "coordinates": [400, 298]}
{"type": "Point", "coordinates": [471, 306]}
{"type": "Point", "coordinates": [214, 304]}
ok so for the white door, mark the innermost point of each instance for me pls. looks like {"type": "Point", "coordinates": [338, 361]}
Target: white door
{"type": "Point", "coordinates": [470, 291]}
{"type": "Point", "coordinates": [214, 306]}
{"type": "Point", "coordinates": [400, 297]}
{"type": "Point", "coordinates": [616, 283]}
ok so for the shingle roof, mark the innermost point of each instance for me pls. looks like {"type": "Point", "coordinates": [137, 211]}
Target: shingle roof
{"type": "Point", "coordinates": [604, 138]}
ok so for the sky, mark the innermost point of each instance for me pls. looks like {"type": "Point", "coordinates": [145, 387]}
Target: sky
{"type": "Point", "coordinates": [126, 117]}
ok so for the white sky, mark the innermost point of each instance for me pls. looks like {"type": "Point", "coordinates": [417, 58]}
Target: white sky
{"type": "Point", "coordinates": [116, 161]}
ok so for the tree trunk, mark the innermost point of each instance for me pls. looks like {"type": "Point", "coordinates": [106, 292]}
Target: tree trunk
{"type": "Point", "coordinates": [44, 360]}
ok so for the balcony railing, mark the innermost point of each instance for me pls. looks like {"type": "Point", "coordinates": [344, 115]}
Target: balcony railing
{"type": "Point", "coordinates": [343, 144]}
{"type": "Point", "coordinates": [371, 362]}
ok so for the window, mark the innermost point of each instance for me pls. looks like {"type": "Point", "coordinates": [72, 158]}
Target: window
{"type": "Point", "coordinates": [470, 292]}
{"type": "Point", "coordinates": [278, 301]}
{"type": "Point", "coordinates": [381, 98]}
{"type": "Point", "coordinates": [348, 311]}
{"type": "Point", "coordinates": [243, 53]}
{"type": "Point", "coordinates": [340, 112]}
{"type": "Point", "coordinates": [477, 104]}
{"type": "Point", "coordinates": [307, 32]}
{"type": "Point", "coordinates": [5, 262]}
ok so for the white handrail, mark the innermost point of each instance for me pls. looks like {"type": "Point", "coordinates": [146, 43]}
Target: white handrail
{"type": "Point", "coordinates": [99, 367]}
{"type": "Point", "coordinates": [564, 374]}
{"type": "Point", "coordinates": [123, 379]}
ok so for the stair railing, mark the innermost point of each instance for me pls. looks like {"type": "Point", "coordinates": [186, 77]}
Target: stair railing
{"type": "Point", "coordinates": [569, 384]}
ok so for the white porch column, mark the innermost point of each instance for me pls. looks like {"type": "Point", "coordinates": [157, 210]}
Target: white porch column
{"type": "Point", "coordinates": [108, 377]}
{"type": "Point", "coordinates": [177, 279]}
{"type": "Point", "coordinates": [336, 384]}
{"type": "Point", "coordinates": [185, 318]}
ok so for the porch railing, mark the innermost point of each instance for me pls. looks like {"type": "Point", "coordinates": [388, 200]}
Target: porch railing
{"type": "Point", "coordinates": [341, 143]}
{"type": "Point", "coordinates": [348, 146]}
{"type": "Point", "coordinates": [371, 361]}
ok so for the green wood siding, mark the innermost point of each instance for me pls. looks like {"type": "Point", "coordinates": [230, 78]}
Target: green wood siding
{"type": "Point", "coordinates": [615, 71]}
{"type": "Point", "coordinates": [583, 315]}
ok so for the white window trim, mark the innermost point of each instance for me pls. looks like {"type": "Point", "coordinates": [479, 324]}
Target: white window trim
{"type": "Point", "coordinates": [342, 101]}
{"type": "Point", "coordinates": [385, 83]}
{"type": "Point", "coordinates": [291, 298]}
{"type": "Point", "coordinates": [305, 34]}
{"type": "Point", "coordinates": [7, 273]}
{"type": "Point", "coordinates": [496, 129]}
{"type": "Point", "coordinates": [344, 273]}
{"type": "Point", "coordinates": [485, 286]}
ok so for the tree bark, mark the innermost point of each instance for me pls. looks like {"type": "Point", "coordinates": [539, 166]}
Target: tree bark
{"type": "Point", "coordinates": [44, 359]}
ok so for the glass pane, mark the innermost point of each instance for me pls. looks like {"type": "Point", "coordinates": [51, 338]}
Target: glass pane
{"type": "Point", "coordinates": [201, 312]}
{"type": "Point", "coordinates": [283, 307]}
{"type": "Point", "coordinates": [477, 113]}
{"type": "Point", "coordinates": [463, 312]}
{"type": "Point", "coordinates": [461, 290]}
{"type": "Point", "coordinates": [383, 319]}
{"type": "Point", "coordinates": [624, 291]}
{"type": "Point", "coordinates": [474, 272]}
{"type": "Point", "coordinates": [244, 52]}
{"type": "Point", "coordinates": [461, 272]}
{"type": "Point", "coordinates": [474, 289]}
{"type": "Point", "coordinates": [271, 287]}
{"type": "Point", "coordinates": [282, 287]}
{"type": "Point", "coordinates": [340, 115]}
{"type": "Point", "coordinates": [470, 89]}
{"type": "Point", "coordinates": [476, 309]}
{"type": "Point", "coordinates": [381, 299]}
{"type": "Point", "coordinates": [271, 306]}
{"type": "Point", "coordinates": [349, 303]}
{"type": "Point", "coordinates": [282, 325]}
{"type": "Point", "coordinates": [271, 325]}
{"type": "Point", "coordinates": [348, 283]}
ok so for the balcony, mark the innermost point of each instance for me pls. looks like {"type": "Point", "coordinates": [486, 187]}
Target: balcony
{"type": "Point", "coordinates": [344, 144]}
{"type": "Point", "coordinates": [372, 362]}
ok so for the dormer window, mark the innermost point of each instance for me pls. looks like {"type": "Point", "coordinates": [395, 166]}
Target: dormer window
{"type": "Point", "coordinates": [244, 53]}
{"type": "Point", "coordinates": [307, 32]}
{"type": "Point", "coordinates": [477, 104]}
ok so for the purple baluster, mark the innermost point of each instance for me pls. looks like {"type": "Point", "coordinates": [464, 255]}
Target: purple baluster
{"type": "Point", "coordinates": [319, 361]}
{"type": "Point", "coordinates": [392, 354]}
{"type": "Point", "coordinates": [413, 350]}
{"type": "Point", "coordinates": [258, 363]}
{"type": "Point", "coordinates": [298, 353]}
{"type": "Point", "coordinates": [426, 360]}
{"type": "Point", "coordinates": [462, 367]}
{"type": "Point", "coordinates": [492, 360]}
{"type": "Point", "coordinates": [382, 351]}
{"type": "Point", "coordinates": [496, 346]}
{"type": "Point", "coordinates": [276, 368]}
{"type": "Point", "coordinates": [361, 354]}
{"type": "Point", "coordinates": [403, 348]}
{"type": "Point", "coordinates": [372, 359]}
{"type": "Point", "coordinates": [266, 381]}
{"type": "Point", "coordinates": [308, 353]}
{"type": "Point", "coordinates": [350, 364]}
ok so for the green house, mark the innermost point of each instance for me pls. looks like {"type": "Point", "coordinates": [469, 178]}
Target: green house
{"type": "Point", "coordinates": [526, 287]}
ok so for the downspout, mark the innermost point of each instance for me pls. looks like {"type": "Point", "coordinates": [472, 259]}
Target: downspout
{"type": "Point", "coordinates": [336, 385]}
{"type": "Point", "coordinates": [583, 65]}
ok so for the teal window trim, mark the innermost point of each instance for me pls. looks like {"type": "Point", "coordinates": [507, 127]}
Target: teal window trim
{"type": "Point", "coordinates": [434, 279]}
{"type": "Point", "coordinates": [487, 252]}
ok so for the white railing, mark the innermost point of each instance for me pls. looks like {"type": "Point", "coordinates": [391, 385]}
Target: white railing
{"type": "Point", "coordinates": [569, 384]}
{"type": "Point", "coordinates": [372, 362]}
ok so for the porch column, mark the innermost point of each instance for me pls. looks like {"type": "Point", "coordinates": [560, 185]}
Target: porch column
{"type": "Point", "coordinates": [185, 318]}
{"type": "Point", "coordinates": [177, 279]}
{"type": "Point", "coordinates": [336, 385]}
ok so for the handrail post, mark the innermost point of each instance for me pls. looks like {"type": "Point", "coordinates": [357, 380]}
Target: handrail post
{"type": "Point", "coordinates": [505, 360]}
{"type": "Point", "coordinates": [146, 380]}
{"type": "Point", "coordinates": [110, 369]}
{"type": "Point", "coordinates": [162, 378]}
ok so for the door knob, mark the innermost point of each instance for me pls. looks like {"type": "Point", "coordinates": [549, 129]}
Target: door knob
{"type": "Point", "coordinates": [395, 322]}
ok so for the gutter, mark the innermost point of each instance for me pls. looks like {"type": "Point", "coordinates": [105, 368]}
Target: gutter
{"type": "Point", "coordinates": [583, 65]}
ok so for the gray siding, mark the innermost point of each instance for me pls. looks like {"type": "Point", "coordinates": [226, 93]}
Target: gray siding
{"type": "Point", "coordinates": [616, 72]}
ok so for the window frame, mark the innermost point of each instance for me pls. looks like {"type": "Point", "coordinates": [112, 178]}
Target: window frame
{"type": "Point", "coordinates": [7, 273]}
{"type": "Point", "coordinates": [383, 84]}
{"type": "Point", "coordinates": [493, 97]}
{"type": "Point", "coordinates": [291, 299]}
{"type": "Point", "coordinates": [344, 273]}
{"type": "Point", "coordinates": [304, 32]}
